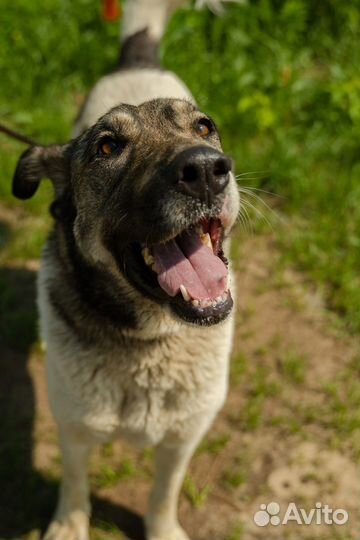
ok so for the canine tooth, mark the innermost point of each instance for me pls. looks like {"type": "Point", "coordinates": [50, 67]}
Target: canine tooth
{"type": "Point", "coordinates": [206, 240]}
{"type": "Point", "coordinates": [185, 294]}
{"type": "Point", "coordinates": [148, 258]}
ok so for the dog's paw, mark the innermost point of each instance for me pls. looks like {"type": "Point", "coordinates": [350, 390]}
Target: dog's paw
{"type": "Point", "coordinates": [175, 534]}
{"type": "Point", "coordinates": [74, 526]}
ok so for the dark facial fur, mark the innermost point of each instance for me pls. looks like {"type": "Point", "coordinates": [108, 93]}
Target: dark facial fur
{"type": "Point", "coordinates": [109, 205]}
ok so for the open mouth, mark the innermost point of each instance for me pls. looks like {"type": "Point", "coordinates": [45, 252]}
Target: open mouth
{"type": "Point", "coordinates": [192, 271]}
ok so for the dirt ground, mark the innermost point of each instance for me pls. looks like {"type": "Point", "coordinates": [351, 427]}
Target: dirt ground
{"type": "Point", "coordinates": [289, 431]}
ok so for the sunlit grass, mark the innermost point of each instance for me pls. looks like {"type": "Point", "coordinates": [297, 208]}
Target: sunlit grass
{"type": "Point", "coordinates": [281, 83]}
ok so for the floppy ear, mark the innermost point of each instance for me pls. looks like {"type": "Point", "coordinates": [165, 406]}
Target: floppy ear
{"type": "Point", "coordinates": [36, 163]}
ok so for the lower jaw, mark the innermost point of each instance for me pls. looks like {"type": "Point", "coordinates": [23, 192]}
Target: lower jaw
{"type": "Point", "coordinates": [203, 316]}
{"type": "Point", "coordinates": [198, 313]}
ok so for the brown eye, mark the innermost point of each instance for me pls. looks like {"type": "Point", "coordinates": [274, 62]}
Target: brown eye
{"type": "Point", "coordinates": [109, 147]}
{"type": "Point", "coordinates": [204, 128]}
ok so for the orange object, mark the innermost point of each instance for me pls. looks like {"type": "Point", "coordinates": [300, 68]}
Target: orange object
{"type": "Point", "coordinates": [111, 10]}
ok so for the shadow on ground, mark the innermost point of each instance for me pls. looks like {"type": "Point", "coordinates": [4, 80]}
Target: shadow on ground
{"type": "Point", "coordinates": [27, 499]}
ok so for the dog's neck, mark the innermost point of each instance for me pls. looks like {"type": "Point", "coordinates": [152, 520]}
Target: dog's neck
{"type": "Point", "coordinates": [91, 300]}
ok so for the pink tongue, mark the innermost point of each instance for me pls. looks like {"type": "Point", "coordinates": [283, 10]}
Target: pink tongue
{"type": "Point", "coordinates": [190, 263]}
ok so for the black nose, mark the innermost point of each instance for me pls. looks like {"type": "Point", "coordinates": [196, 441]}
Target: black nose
{"type": "Point", "coordinates": [202, 172]}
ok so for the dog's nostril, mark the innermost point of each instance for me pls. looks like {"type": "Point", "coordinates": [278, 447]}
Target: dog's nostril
{"type": "Point", "coordinates": [220, 174]}
{"type": "Point", "coordinates": [221, 167]}
{"type": "Point", "coordinates": [190, 174]}
{"type": "Point", "coordinates": [201, 173]}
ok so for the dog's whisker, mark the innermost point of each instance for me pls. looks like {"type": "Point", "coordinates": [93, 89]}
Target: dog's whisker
{"type": "Point", "coordinates": [250, 189]}
{"type": "Point", "coordinates": [245, 173]}
{"type": "Point", "coordinates": [243, 224]}
{"type": "Point", "coordinates": [261, 201]}
{"type": "Point", "coordinates": [248, 219]}
{"type": "Point", "coordinates": [244, 219]}
{"type": "Point", "coordinates": [271, 193]}
{"type": "Point", "coordinates": [260, 215]}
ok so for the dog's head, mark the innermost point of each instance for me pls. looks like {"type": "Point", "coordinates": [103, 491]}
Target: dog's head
{"type": "Point", "coordinates": [153, 198]}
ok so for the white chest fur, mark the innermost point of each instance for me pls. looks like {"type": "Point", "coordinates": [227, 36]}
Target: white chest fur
{"type": "Point", "coordinates": [140, 391]}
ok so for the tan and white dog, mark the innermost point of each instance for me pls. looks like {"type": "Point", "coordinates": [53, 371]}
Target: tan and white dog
{"type": "Point", "coordinates": [133, 291]}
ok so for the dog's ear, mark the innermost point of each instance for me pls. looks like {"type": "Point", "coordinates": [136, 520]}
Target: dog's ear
{"type": "Point", "coordinates": [36, 163]}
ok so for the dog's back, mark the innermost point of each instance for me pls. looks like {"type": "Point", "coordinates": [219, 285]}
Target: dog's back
{"type": "Point", "coordinates": [139, 76]}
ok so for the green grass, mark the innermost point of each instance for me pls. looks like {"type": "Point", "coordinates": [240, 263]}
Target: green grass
{"type": "Point", "coordinates": [196, 495]}
{"type": "Point", "coordinates": [259, 384]}
{"type": "Point", "coordinates": [238, 367]}
{"type": "Point", "coordinates": [344, 406]}
{"type": "Point", "coordinates": [281, 79]}
{"type": "Point", "coordinates": [109, 476]}
{"type": "Point", "coordinates": [237, 533]}
{"type": "Point", "coordinates": [293, 366]}
{"type": "Point", "coordinates": [237, 474]}
{"type": "Point", "coordinates": [215, 445]}
{"type": "Point", "coordinates": [102, 530]}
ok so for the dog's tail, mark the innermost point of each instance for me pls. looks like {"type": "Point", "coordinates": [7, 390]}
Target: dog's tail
{"type": "Point", "coordinates": [144, 23]}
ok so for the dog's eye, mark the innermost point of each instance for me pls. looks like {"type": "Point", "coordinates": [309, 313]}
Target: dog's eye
{"type": "Point", "coordinates": [109, 147]}
{"type": "Point", "coordinates": [204, 127]}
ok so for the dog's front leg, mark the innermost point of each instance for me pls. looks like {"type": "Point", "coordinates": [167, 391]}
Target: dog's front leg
{"type": "Point", "coordinates": [71, 520]}
{"type": "Point", "coordinates": [171, 462]}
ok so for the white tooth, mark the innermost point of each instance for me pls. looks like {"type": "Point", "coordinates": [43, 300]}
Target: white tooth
{"type": "Point", "coordinates": [195, 303]}
{"type": "Point", "coordinates": [206, 240]}
{"type": "Point", "coordinates": [218, 299]}
{"type": "Point", "coordinates": [148, 258]}
{"type": "Point", "coordinates": [185, 294]}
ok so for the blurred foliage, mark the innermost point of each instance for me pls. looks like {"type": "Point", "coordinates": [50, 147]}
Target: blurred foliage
{"type": "Point", "coordinates": [282, 80]}
{"type": "Point", "coordinates": [280, 77]}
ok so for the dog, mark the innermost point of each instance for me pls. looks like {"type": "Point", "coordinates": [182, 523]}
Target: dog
{"type": "Point", "coordinates": [134, 287]}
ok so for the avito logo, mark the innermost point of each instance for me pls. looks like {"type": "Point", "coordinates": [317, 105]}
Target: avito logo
{"type": "Point", "coordinates": [269, 514]}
